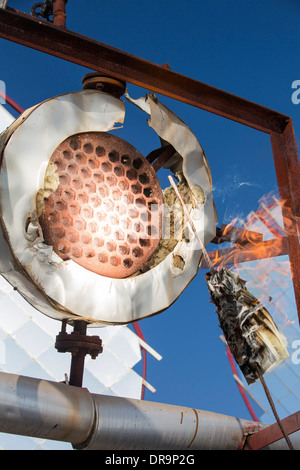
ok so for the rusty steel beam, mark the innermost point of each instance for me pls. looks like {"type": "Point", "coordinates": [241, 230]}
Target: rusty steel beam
{"type": "Point", "coordinates": [65, 44]}
{"type": "Point", "coordinates": [272, 433]}
{"type": "Point", "coordinates": [287, 169]}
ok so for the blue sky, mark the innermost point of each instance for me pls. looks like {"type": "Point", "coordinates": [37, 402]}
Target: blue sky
{"type": "Point", "coordinates": [248, 48]}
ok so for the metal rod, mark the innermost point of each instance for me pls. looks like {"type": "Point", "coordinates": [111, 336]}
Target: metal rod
{"type": "Point", "coordinates": [78, 357]}
{"type": "Point", "coordinates": [163, 158]}
{"type": "Point", "coordinates": [273, 408]}
{"type": "Point", "coordinates": [79, 345]}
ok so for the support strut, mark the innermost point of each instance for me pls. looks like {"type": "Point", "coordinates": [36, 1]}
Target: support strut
{"type": "Point", "coordinates": [79, 345]}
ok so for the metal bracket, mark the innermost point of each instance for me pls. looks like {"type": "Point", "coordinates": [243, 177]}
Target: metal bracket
{"type": "Point", "coordinates": [45, 10]}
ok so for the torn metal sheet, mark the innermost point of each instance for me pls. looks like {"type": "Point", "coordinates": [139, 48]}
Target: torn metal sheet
{"type": "Point", "coordinates": [63, 289]}
{"type": "Point", "coordinates": [250, 332]}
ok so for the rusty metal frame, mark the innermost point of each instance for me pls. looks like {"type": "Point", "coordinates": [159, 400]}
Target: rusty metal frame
{"type": "Point", "coordinates": [51, 39]}
{"type": "Point", "coordinates": [272, 433]}
{"type": "Point", "coordinates": [57, 41]}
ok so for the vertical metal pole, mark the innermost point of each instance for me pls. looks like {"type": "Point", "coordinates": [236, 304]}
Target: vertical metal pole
{"type": "Point", "coordinates": [78, 357]}
{"type": "Point", "coordinates": [287, 168]}
{"type": "Point", "coordinates": [59, 13]}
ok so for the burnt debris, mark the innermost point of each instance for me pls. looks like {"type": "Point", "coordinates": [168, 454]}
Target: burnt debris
{"type": "Point", "coordinates": [249, 330]}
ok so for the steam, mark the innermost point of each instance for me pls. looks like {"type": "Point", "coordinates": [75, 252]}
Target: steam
{"type": "Point", "coordinates": [230, 192]}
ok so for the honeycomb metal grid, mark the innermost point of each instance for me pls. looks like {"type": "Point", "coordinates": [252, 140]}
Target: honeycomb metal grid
{"type": "Point", "coordinates": [105, 213]}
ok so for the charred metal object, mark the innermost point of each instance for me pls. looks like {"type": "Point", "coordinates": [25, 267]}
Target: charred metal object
{"type": "Point", "coordinates": [249, 330]}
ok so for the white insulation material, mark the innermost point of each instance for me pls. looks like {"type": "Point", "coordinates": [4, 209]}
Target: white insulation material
{"type": "Point", "coordinates": [64, 289]}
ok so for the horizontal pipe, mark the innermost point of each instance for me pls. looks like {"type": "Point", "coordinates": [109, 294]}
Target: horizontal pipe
{"type": "Point", "coordinates": [124, 424]}
{"type": "Point", "coordinates": [73, 47]}
{"type": "Point", "coordinates": [44, 409]}
{"type": "Point", "coordinates": [56, 411]}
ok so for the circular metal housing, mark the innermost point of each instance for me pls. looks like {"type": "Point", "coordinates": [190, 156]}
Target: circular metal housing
{"type": "Point", "coordinates": [105, 213]}
{"type": "Point", "coordinates": [64, 289]}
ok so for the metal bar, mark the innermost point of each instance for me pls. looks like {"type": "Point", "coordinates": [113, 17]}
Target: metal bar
{"type": "Point", "coordinates": [287, 168]}
{"type": "Point", "coordinates": [78, 357]}
{"type": "Point", "coordinates": [45, 37]}
{"type": "Point", "coordinates": [163, 158]}
{"type": "Point", "coordinates": [234, 255]}
{"type": "Point", "coordinates": [272, 433]}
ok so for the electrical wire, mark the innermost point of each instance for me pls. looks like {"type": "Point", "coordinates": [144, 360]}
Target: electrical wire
{"type": "Point", "coordinates": [11, 103]}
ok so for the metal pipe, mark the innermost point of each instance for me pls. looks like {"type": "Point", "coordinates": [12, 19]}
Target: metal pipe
{"type": "Point", "coordinates": [78, 357]}
{"type": "Point", "coordinates": [124, 424]}
{"type": "Point", "coordinates": [56, 411]}
{"type": "Point", "coordinates": [40, 408]}
{"type": "Point", "coordinates": [59, 13]}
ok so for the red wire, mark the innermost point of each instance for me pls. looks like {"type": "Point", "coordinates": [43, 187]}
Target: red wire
{"type": "Point", "coordinates": [138, 331]}
{"type": "Point", "coordinates": [12, 103]}
{"type": "Point", "coordinates": [242, 391]}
